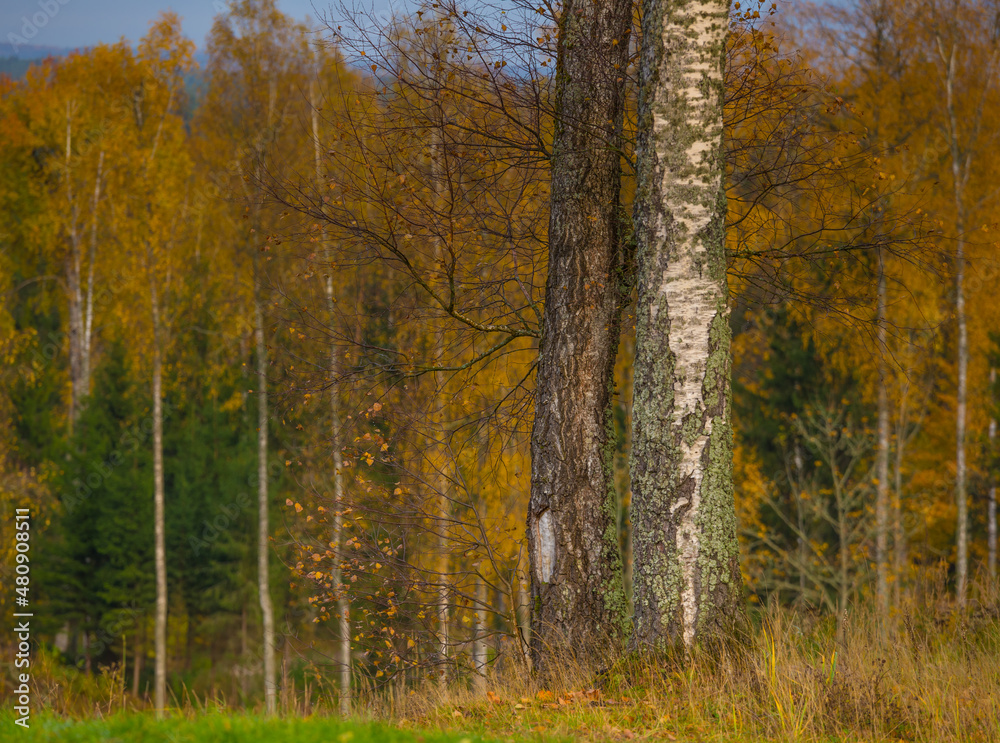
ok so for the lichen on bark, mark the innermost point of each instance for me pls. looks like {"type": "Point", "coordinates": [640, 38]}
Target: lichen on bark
{"type": "Point", "coordinates": [686, 583]}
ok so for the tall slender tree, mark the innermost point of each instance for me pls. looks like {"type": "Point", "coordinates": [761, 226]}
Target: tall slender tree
{"type": "Point", "coordinates": [959, 30]}
{"type": "Point", "coordinates": [336, 445]}
{"type": "Point", "coordinates": [258, 57]}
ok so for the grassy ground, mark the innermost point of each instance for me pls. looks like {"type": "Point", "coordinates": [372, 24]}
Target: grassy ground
{"type": "Point", "coordinates": [214, 728]}
{"type": "Point", "coordinates": [927, 673]}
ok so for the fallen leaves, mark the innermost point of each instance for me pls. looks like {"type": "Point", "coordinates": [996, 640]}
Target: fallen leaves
{"type": "Point", "coordinates": [565, 699]}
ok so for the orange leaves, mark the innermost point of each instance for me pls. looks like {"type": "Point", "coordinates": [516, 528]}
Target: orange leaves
{"type": "Point", "coordinates": [550, 700]}
{"type": "Point", "coordinates": [492, 696]}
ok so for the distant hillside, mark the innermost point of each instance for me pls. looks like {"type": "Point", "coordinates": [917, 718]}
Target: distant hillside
{"type": "Point", "coordinates": [14, 67]}
{"type": "Point", "coordinates": [194, 82]}
{"type": "Point", "coordinates": [33, 51]}
{"type": "Point", "coordinates": [16, 64]}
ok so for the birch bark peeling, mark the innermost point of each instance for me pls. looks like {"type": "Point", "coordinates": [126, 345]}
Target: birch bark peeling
{"type": "Point", "coordinates": [578, 598]}
{"type": "Point", "coordinates": [686, 580]}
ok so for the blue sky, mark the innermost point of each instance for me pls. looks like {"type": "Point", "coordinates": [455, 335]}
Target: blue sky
{"type": "Point", "coordinates": [74, 23]}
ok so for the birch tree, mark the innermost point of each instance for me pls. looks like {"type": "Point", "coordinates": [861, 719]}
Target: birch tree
{"type": "Point", "coordinates": [966, 84]}
{"type": "Point", "coordinates": [991, 502]}
{"type": "Point", "coordinates": [258, 57]}
{"type": "Point", "coordinates": [336, 446]}
{"type": "Point", "coordinates": [687, 585]}
{"type": "Point", "coordinates": [149, 225]}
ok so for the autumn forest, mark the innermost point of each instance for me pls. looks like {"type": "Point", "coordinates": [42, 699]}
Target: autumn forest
{"type": "Point", "coordinates": [496, 366]}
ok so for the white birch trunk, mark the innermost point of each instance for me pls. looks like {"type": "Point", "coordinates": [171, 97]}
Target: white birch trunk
{"type": "Point", "coordinates": [479, 638]}
{"type": "Point", "coordinates": [991, 505]}
{"type": "Point", "coordinates": [687, 584]}
{"type": "Point", "coordinates": [524, 617]}
{"type": "Point", "coordinates": [959, 176]}
{"type": "Point", "coordinates": [159, 527]}
{"type": "Point", "coordinates": [444, 506]}
{"type": "Point", "coordinates": [882, 460]}
{"type": "Point", "coordinates": [961, 495]}
{"type": "Point", "coordinates": [263, 545]}
{"type": "Point", "coordinates": [343, 607]}
{"type": "Point", "coordinates": [73, 281]}
{"type": "Point", "coordinates": [88, 321]}
{"type": "Point", "coordinates": [899, 526]}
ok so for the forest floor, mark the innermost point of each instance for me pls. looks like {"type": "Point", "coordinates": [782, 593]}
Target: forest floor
{"type": "Point", "coordinates": [218, 728]}
{"type": "Point", "coordinates": [927, 674]}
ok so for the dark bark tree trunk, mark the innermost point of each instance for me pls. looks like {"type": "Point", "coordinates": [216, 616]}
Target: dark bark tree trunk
{"type": "Point", "coordinates": [578, 600]}
{"type": "Point", "coordinates": [686, 579]}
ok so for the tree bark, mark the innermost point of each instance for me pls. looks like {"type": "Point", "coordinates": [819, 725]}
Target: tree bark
{"type": "Point", "coordinates": [578, 598]}
{"type": "Point", "coordinates": [991, 505]}
{"type": "Point", "coordinates": [959, 176]}
{"type": "Point", "coordinates": [443, 486]}
{"type": "Point", "coordinates": [73, 279]}
{"type": "Point", "coordinates": [479, 635]}
{"type": "Point", "coordinates": [899, 526]}
{"type": "Point", "coordinates": [882, 459]}
{"type": "Point", "coordinates": [523, 617]}
{"type": "Point", "coordinates": [343, 608]}
{"type": "Point", "coordinates": [263, 546]}
{"type": "Point", "coordinates": [159, 549]}
{"type": "Point", "coordinates": [687, 586]}
{"type": "Point", "coordinates": [137, 664]}
{"type": "Point", "coordinates": [88, 319]}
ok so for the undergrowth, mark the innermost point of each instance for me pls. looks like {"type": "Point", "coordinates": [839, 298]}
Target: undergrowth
{"type": "Point", "coordinates": [927, 672]}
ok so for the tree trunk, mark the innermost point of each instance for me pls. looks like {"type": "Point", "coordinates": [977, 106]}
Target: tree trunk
{"type": "Point", "coordinates": [137, 664]}
{"type": "Point", "coordinates": [160, 551]}
{"type": "Point", "coordinates": [523, 616]}
{"type": "Point", "coordinates": [962, 536]}
{"type": "Point", "coordinates": [87, 665]}
{"type": "Point", "coordinates": [843, 548]}
{"type": "Point", "coordinates": [578, 598]}
{"type": "Point", "coordinates": [991, 505]}
{"type": "Point", "coordinates": [959, 176]}
{"type": "Point", "coordinates": [263, 545]}
{"type": "Point", "coordinates": [88, 319]}
{"type": "Point", "coordinates": [800, 540]}
{"type": "Point", "coordinates": [899, 525]}
{"type": "Point", "coordinates": [75, 320]}
{"type": "Point", "coordinates": [73, 289]}
{"type": "Point", "coordinates": [343, 608]}
{"type": "Point", "coordinates": [479, 635]}
{"type": "Point", "coordinates": [882, 460]}
{"type": "Point", "coordinates": [687, 583]}
{"type": "Point", "coordinates": [443, 568]}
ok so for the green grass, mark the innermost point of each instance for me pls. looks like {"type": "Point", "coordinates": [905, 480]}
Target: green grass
{"type": "Point", "coordinates": [217, 728]}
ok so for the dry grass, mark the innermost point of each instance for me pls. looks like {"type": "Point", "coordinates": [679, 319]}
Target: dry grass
{"type": "Point", "coordinates": [925, 673]}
